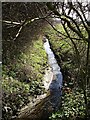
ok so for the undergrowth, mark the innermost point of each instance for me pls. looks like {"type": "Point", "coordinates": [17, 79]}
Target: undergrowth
{"type": "Point", "coordinates": [73, 99]}
{"type": "Point", "coordinates": [23, 79]}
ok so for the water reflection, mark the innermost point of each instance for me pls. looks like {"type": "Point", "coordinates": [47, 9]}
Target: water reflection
{"type": "Point", "coordinates": [55, 86]}
{"type": "Point", "coordinates": [56, 83]}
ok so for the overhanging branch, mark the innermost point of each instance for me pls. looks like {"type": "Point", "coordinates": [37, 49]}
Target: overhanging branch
{"type": "Point", "coordinates": [11, 22]}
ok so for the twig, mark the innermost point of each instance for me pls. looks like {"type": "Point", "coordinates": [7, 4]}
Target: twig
{"type": "Point", "coordinates": [10, 22]}
{"type": "Point", "coordinates": [18, 33]}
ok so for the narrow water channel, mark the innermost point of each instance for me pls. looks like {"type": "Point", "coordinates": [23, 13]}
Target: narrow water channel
{"type": "Point", "coordinates": [55, 86]}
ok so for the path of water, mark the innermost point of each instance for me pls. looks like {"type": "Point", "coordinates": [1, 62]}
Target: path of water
{"type": "Point", "coordinates": [56, 82]}
{"type": "Point", "coordinates": [55, 85]}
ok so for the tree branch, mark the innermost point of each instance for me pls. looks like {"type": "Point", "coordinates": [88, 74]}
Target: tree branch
{"type": "Point", "coordinates": [73, 29]}
{"type": "Point", "coordinates": [82, 12]}
{"type": "Point", "coordinates": [50, 23]}
{"type": "Point", "coordinates": [73, 22]}
{"type": "Point", "coordinates": [10, 22]}
{"type": "Point", "coordinates": [78, 32]}
{"type": "Point", "coordinates": [71, 5]}
{"type": "Point", "coordinates": [77, 52]}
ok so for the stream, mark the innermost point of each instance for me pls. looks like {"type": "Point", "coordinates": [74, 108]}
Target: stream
{"type": "Point", "coordinates": [55, 85]}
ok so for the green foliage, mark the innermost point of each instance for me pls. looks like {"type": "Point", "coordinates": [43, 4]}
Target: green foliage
{"type": "Point", "coordinates": [15, 96]}
{"type": "Point", "coordinates": [58, 44]}
{"type": "Point", "coordinates": [35, 61]}
{"type": "Point", "coordinates": [73, 107]}
{"type": "Point", "coordinates": [30, 64]}
{"type": "Point", "coordinates": [73, 101]}
{"type": "Point", "coordinates": [23, 79]}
